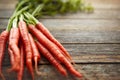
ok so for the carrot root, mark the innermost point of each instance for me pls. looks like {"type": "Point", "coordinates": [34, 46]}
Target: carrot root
{"type": "Point", "coordinates": [51, 59]}
{"type": "Point", "coordinates": [20, 73]}
{"type": "Point", "coordinates": [2, 76]}
{"type": "Point", "coordinates": [46, 32]}
{"type": "Point", "coordinates": [28, 49]}
{"type": "Point", "coordinates": [36, 66]}
{"type": "Point", "coordinates": [11, 56]}
{"type": "Point", "coordinates": [36, 54]}
{"type": "Point", "coordinates": [30, 68]}
{"type": "Point", "coordinates": [3, 39]}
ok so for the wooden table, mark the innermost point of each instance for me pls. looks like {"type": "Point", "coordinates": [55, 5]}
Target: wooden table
{"type": "Point", "coordinates": [93, 40]}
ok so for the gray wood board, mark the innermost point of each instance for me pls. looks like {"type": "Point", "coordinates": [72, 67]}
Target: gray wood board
{"type": "Point", "coordinates": [76, 24]}
{"type": "Point", "coordinates": [85, 53]}
{"type": "Point", "coordinates": [108, 4]}
{"type": "Point", "coordinates": [97, 14]}
{"type": "Point", "coordinates": [86, 36]}
{"type": "Point", "coordinates": [90, 72]}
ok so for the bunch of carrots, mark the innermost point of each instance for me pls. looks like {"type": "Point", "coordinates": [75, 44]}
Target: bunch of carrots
{"type": "Point", "coordinates": [27, 40]}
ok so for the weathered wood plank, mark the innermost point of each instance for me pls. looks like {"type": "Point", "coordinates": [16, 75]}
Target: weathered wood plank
{"type": "Point", "coordinates": [98, 58]}
{"type": "Point", "coordinates": [76, 37]}
{"type": "Point", "coordinates": [97, 14]}
{"type": "Point", "coordinates": [6, 13]}
{"type": "Point", "coordinates": [89, 49]}
{"type": "Point", "coordinates": [91, 59]}
{"type": "Point", "coordinates": [86, 53]}
{"type": "Point", "coordinates": [76, 24]}
{"type": "Point", "coordinates": [7, 4]}
{"type": "Point", "coordinates": [105, 4]}
{"type": "Point", "coordinates": [90, 72]}
{"type": "Point", "coordinates": [108, 4]}
{"type": "Point", "coordinates": [88, 37]}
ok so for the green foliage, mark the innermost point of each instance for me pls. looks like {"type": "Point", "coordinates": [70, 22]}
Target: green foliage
{"type": "Point", "coordinates": [53, 7]}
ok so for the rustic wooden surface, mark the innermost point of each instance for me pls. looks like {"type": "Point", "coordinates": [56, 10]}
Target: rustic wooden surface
{"type": "Point", "coordinates": [93, 41]}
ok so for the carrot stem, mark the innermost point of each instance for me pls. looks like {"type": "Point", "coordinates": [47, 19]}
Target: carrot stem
{"type": "Point", "coordinates": [15, 22]}
{"type": "Point", "coordinates": [9, 26]}
{"type": "Point", "coordinates": [30, 17]}
{"type": "Point", "coordinates": [38, 9]}
{"type": "Point", "coordinates": [19, 5]}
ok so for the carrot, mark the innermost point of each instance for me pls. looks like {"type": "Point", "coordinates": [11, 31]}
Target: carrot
{"type": "Point", "coordinates": [36, 54]}
{"type": "Point", "coordinates": [53, 49]}
{"type": "Point", "coordinates": [51, 59]}
{"type": "Point", "coordinates": [13, 44]}
{"type": "Point", "coordinates": [20, 73]}
{"type": "Point", "coordinates": [3, 40]}
{"type": "Point", "coordinates": [26, 42]}
{"type": "Point", "coordinates": [46, 32]}
{"type": "Point", "coordinates": [12, 57]}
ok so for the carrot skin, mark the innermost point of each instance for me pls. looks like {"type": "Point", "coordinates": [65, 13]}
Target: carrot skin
{"type": "Point", "coordinates": [53, 49]}
{"type": "Point", "coordinates": [12, 57]}
{"type": "Point", "coordinates": [51, 59]}
{"type": "Point", "coordinates": [3, 40]}
{"type": "Point", "coordinates": [28, 49]}
{"type": "Point", "coordinates": [34, 47]}
{"type": "Point", "coordinates": [20, 73]}
{"type": "Point", "coordinates": [13, 44]}
{"type": "Point", "coordinates": [46, 32]}
{"type": "Point", "coordinates": [36, 54]}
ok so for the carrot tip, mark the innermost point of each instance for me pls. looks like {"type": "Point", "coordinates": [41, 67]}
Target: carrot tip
{"type": "Point", "coordinates": [29, 66]}
{"type": "Point", "coordinates": [13, 68]}
{"type": "Point", "coordinates": [80, 76]}
{"type": "Point", "coordinates": [36, 67]}
{"type": "Point", "coordinates": [2, 76]}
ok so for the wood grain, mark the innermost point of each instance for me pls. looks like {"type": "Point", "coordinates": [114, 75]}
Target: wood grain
{"type": "Point", "coordinates": [90, 72]}
{"type": "Point", "coordinates": [77, 37]}
{"type": "Point", "coordinates": [97, 14]}
{"type": "Point", "coordinates": [86, 53]}
{"type": "Point", "coordinates": [103, 4]}
{"type": "Point", "coordinates": [76, 24]}
{"type": "Point", "coordinates": [87, 36]}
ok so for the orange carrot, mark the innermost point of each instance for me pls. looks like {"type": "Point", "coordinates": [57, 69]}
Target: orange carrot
{"type": "Point", "coordinates": [20, 73]}
{"type": "Point", "coordinates": [12, 57]}
{"type": "Point", "coordinates": [13, 44]}
{"type": "Point", "coordinates": [53, 49]}
{"type": "Point", "coordinates": [28, 49]}
{"type": "Point", "coordinates": [51, 59]}
{"type": "Point", "coordinates": [3, 39]}
{"type": "Point", "coordinates": [46, 32]}
{"type": "Point", "coordinates": [36, 54]}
